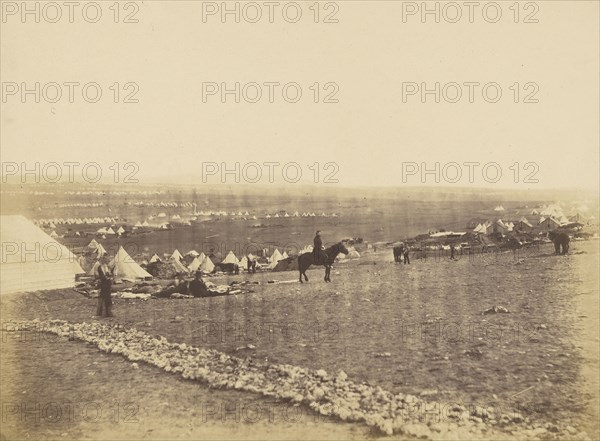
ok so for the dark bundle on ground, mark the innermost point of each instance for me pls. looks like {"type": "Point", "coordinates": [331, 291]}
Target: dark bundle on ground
{"type": "Point", "coordinates": [162, 270]}
{"type": "Point", "coordinates": [288, 264]}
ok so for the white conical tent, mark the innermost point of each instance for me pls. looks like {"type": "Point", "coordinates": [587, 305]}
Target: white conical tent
{"type": "Point", "coordinates": [179, 267]}
{"type": "Point", "coordinates": [124, 267]}
{"type": "Point", "coordinates": [276, 256]}
{"type": "Point", "coordinates": [353, 254]}
{"type": "Point", "coordinates": [194, 265]}
{"type": "Point", "coordinates": [207, 265]}
{"type": "Point", "coordinates": [53, 235]}
{"type": "Point", "coordinates": [230, 258]}
{"type": "Point", "coordinates": [94, 270]}
{"type": "Point", "coordinates": [201, 257]}
{"type": "Point", "coordinates": [176, 255]}
{"type": "Point", "coordinates": [100, 250]}
{"type": "Point", "coordinates": [93, 245]}
{"type": "Point", "coordinates": [284, 255]}
{"type": "Point", "coordinates": [244, 262]}
{"type": "Point", "coordinates": [155, 258]}
{"type": "Point", "coordinates": [121, 230]}
{"type": "Point", "coordinates": [52, 266]}
{"type": "Point", "coordinates": [110, 231]}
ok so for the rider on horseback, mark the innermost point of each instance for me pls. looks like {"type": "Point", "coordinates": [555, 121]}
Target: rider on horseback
{"type": "Point", "coordinates": [318, 255]}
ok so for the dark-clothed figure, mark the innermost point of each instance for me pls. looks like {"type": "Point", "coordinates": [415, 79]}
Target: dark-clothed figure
{"type": "Point", "coordinates": [251, 263]}
{"type": "Point", "coordinates": [197, 287]}
{"type": "Point", "coordinates": [318, 255]}
{"type": "Point", "coordinates": [104, 298]}
{"type": "Point", "coordinates": [452, 251]}
{"type": "Point", "coordinates": [406, 256]}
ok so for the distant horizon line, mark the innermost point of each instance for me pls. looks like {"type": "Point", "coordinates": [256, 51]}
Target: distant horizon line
{"type": "Point", "coordinates": [307, 185]}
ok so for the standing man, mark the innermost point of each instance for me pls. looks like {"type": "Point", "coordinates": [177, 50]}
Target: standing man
{"type": "Point", "coordinates": [104, 298]}
{"type": "Point", "coordinates": [406, 257]}
{"type": "Point", "coordinates": [317, 246]}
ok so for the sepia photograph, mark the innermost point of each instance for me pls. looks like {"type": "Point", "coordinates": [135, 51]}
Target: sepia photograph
{"type": "Point", "coordinates": [300, 220]}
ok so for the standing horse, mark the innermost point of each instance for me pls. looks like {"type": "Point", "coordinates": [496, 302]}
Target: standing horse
{"type": "Point", "coordinates": [398, 253]}
{"type": "Point", "coordinates": [561, 241]}
{"type": "Point", "coordinates": [305, 260]}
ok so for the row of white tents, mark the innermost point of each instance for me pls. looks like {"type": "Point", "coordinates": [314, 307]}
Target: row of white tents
{"type": "Point", "coordinates": [52, 223]}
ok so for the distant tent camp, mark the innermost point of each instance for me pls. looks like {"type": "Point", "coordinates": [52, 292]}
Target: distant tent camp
{"type": "Point", "coordinates": [207, 266]}
{"type": "Point", "coordinates": [230, 258]}
{"type": "Point", "coordinates": [124, 267]}
{"type": "Point", "coordinates": [194, 265]}
{"type": "Point", "coordinates": [176, 255]}
{"type": "Point", "coordinates": [21, 270]}
{"type": "Point", "coordinates": [499, 208]}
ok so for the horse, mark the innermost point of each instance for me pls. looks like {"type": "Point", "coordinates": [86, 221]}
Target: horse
{"type": "Point", "coordinates": [398, 253]}
{"type": "Point", "coordinates": [230, 268]}
{"type": "Point", "coordinates": [305, 260]}
{"type": "Point", "coordinates": [560, 239]}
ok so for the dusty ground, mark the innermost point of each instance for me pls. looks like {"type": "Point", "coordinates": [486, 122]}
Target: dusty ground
{"type": "Point", "coordinates": [416, 329]}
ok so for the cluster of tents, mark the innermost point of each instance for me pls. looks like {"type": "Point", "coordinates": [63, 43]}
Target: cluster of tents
{"type": "Point", "coordinates": [52, 223]}
{"type": "Point", "coordinates": [191, 262]}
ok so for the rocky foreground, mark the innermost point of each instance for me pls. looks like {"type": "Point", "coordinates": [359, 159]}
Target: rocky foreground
{"type": "Point", "coordinates": [332, 395]}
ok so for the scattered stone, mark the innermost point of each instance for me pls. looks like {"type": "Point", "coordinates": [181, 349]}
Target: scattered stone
{"type": "Point", "coordinates": [428, 392]}
{"type": "Point", "coordinates": [383, 354]}
{"type": "Point", "coordinates": [572, 430]}
{"type": "Point", "coordinates": [496, 309]}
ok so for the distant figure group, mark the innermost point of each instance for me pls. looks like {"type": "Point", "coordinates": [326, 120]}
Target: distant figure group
{"type": "Point", "coordinates": [401, 254]}
{"type": "Point", "coordinates": [195, 287]}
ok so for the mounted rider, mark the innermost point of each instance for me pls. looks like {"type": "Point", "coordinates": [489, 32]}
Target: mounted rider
{"type": "Point", "coordinates": [319, 257]}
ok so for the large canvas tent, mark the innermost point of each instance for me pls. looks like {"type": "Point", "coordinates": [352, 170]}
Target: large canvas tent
{"type": "Point", "coordinates": [31, 259]}
{"type": "Point", "coordinates": [124, 267]}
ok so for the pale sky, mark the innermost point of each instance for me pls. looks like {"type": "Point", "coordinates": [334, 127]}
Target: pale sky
{"type": "Point", "coordinates": [369, 54]}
